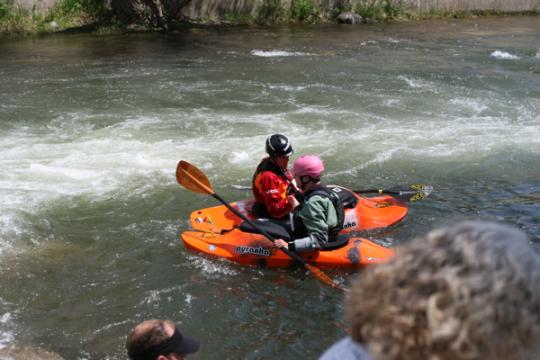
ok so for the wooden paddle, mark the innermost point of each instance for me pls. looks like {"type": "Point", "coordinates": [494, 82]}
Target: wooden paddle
{"type": "Point", "coordinates": [195, 180]}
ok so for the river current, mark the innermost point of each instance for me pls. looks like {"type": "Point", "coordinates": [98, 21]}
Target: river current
{"type": "Point", "coordinates": [91, 130]}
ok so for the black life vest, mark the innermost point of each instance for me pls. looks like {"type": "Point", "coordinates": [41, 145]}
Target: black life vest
{"type": "Point", "coordinates": [300, 229]}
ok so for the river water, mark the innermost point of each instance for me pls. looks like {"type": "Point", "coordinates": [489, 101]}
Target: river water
{"type": "Point", "coordinates": [91, 130]}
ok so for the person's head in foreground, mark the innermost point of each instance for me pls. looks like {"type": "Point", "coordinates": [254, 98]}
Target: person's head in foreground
{"type": "Point", "coordinates": [467, 291]}
{"type": "Point", "coordinates": [159, 340]}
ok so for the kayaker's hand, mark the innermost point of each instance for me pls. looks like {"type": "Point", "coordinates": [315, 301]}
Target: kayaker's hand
{"type": "Point", "coordinates": [280, 243]}
{"type": "Point", "coordinates": [292, 201]}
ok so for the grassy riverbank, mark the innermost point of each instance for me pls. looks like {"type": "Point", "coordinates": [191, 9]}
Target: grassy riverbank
{"type": "Point", "coordinates": [67, 14]}
{"type": "Point", "coordinates": [94, 16]}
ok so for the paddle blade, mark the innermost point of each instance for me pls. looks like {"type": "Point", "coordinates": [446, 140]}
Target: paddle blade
{"type": "Point", "coordinates": [422, 191]}
{"type": "Point", "coordinates": [412, 193]}
{"type": "Point", "coordinates": [192, 178]}
{"type": "Point", "coordinates": [323, 277]}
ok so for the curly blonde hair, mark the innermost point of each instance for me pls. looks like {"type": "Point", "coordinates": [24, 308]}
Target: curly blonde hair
{"type": "Point", "coordinates": [469, 291]}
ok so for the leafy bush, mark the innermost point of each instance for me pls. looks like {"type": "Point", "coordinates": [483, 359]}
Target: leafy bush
{"type": "Point", "coordinates": [75, 13]}
{"type": "Point", "coordinates": [75, 8]}
{"type": "Point", "coordinates": [302, 9]}
{"type": "Point", "coordinates": [380, 9]}
{"type": "Point", "coordinates": [238, 18]}
{"type": "Point", "coordinates": [4, 10]}
{"type": "Point", "coordinates": [272, 11]}
{"type": "Point", "coordinates": [15, 19]}
{"type": "Point", "coordinates": [71, 7]}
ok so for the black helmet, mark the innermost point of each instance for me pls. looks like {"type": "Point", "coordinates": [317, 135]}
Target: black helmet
{"type": "Point", "coordinates": [278, 145]}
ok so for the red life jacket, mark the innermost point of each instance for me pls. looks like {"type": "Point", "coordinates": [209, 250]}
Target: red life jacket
{"type": "Point", "coordinates": [270, 186]}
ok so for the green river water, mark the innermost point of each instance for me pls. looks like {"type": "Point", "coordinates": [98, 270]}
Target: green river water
{"type": "Point", "coordinates": [91, 130]}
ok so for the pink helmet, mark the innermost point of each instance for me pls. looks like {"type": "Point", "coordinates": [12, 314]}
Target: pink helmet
{"type": "Point", "coordinates": [308, 165]}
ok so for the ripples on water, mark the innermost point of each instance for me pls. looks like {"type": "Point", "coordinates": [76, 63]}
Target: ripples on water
{"type": "Point", "coordinates": [92, 129]}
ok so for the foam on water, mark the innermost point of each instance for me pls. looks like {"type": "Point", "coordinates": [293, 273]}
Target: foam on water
{"type": "Point", "coordinates": [393, 40]}
{"type": "Point", "coordinates": [287, 87]}
{"type": "Point", "coordinates": [417, 83]}
{"type": "Point", "coordinates": [97, 164]}
{"type": "Point", "coordinates": [277, 53]}
{"type": "Point", "coordinates": [136, 123]}
{"type": "Point", "coordinates": [67, 125]}
{"type": "Point", "coordinates": [476, 106]}
{"type": "Point", "coordinates": [110, 326]}
{"type": "Point", "coordinates": [368, 42]}
{"type": "Point", "coordinates": [154, 297]}
{"type": "Point", "coordinates": [240, 157]}
{"type": "Point", "coordinates": [38, 170]}
{"type": "Point", "coordinates": [7, 335]}
{"type": "Point", "coordinates": [503, 55]}
{"type": "Point", "coordinates": [213, 267]}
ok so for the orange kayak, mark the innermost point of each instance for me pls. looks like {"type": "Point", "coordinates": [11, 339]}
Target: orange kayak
{"type": "Point", "coordinates": [215, 232]}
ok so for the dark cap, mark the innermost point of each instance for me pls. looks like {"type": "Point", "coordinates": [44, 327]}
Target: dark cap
{"type": "Point", "coordinates": [177, 343]}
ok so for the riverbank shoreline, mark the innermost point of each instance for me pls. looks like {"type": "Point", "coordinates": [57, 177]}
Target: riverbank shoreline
{"type": "Point", "coordinates": [76, 16]}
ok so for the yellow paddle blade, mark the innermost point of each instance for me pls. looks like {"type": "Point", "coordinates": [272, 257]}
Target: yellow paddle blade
{"type": "Point", "coordinates": [323, 277]}
{"type": "Point", "coordinates": [192, 178]}
{"type": "Point", "coordinates": [423, 191]}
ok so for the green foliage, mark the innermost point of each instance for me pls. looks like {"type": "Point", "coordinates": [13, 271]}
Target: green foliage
{"type": "Point", "coordinates": [14, 19]}
{"type": "Point", "coordinates": [109, 29]}
{"type": "Point", "coordinates": [71, 7]}
{"type": "Point", "coordinates": [238, 18]}
{"type": "Point", "coordinates": [65, 14]}
{"type": "Point", "coordinates": [75, 11]}
{"type": "Point", "coordinates": [380, 9]}
{"type": "Point", "coordinates": [301, 10]}
{"type": "Point", "coordinates": [272, 11]}
{"type": "Point", "coordinates": [4, 10]}
{"type": "Point", "coordinates": [68, 14]}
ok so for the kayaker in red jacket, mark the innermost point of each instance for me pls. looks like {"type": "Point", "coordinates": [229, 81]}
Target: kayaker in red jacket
{"type": "Point", "coordinates": [272, 183]}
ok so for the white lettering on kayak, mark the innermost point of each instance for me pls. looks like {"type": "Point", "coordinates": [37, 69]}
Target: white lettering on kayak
{"type": "Point", "coordinates": [351, 220]}
{"type": "Point", "coordinates": [259, 251]}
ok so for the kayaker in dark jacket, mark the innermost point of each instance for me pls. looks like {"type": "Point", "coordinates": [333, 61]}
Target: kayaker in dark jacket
{"type": "Point", "coordinates": [272, 182]}
{"type": "Point", "coordinates": [320, 216]}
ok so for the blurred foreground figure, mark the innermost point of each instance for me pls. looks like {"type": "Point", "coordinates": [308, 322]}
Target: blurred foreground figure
{"type": "Point", "coordinates": [159, 340]}
{"type": "Point", "coordinates": [468, 291]}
